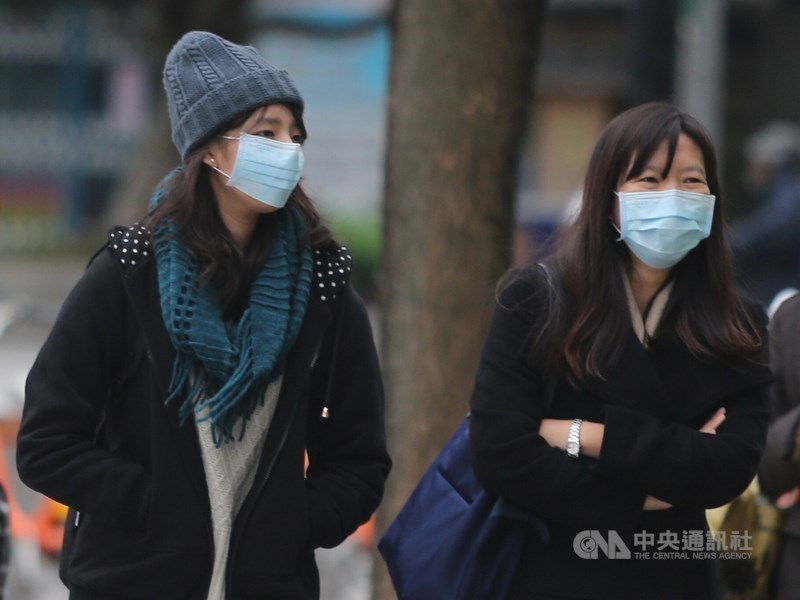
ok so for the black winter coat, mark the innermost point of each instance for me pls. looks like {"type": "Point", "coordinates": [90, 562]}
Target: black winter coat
{"type": "Point", "coordinates": [653, 402]}
{"type": "Point", "coordinates": [96, 436]}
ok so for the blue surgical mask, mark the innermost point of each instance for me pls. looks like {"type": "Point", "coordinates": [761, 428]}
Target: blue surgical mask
{"type": "Point", "coordinates": [660, 228]}
{"type": "Point", "coordinates": [265, 169]}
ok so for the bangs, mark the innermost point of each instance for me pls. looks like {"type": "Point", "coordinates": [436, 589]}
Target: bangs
{"type": "Point", "coordinates": [646, 143]}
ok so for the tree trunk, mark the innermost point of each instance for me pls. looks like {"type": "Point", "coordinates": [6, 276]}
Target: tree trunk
{"type": "Point", "coordinates": [460, 94]}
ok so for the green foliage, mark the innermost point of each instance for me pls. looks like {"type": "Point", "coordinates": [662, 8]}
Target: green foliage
{"type": "Point", "coordinates": [363, 237]}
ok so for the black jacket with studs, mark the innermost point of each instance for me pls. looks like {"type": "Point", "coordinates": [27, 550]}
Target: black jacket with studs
{"type": "Point", "coordinates": [97, 436]}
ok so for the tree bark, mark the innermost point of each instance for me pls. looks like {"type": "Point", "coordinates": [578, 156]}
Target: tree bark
{"type": "Point", "coordinates": [460, 95]}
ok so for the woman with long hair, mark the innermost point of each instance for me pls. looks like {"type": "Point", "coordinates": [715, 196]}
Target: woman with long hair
{"type": "Point", "coordinates": [209, 401]}
{"type": "Point", "coordinates": [622, 388]}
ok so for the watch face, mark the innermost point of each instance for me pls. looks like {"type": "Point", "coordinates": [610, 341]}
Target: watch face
{"type": "Point", "coordinates": [572, 448]}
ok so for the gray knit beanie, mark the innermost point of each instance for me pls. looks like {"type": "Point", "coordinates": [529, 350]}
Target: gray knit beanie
{"type": "Point", "coordinates": [209, 81]}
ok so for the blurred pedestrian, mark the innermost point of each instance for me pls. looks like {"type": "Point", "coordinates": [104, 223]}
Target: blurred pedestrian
{"type": "Point", "coordinates": [766, 243]}
{"type": "Point", "coordinates": [203, 354]}
{"type": "Point", "coordinates": [779, 473]}
{"type": "Point", "coordinates": [658, 372]}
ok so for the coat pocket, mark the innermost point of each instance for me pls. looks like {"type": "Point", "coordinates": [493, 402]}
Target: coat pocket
{"type": "Point", "coordinates": [119, 563]}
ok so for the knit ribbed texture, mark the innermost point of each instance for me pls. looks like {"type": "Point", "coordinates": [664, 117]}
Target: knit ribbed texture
{"type": "Point", "coordinates": [209, 81]}
{"type": "Point", "coordinates": [230, 471]}
{"type": "Point", "coordinates": [222, 367]}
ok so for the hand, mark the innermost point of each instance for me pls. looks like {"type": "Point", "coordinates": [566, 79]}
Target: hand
{"type": "Point", "coordinates": [710, 426]}
{"type": "Point", "coordinates": [652, 503]}
{"type": "Point", "coordinates": [715, 421]}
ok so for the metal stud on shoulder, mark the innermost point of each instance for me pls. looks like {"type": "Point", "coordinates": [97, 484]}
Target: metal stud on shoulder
{"type": "Point", "coordinates": [130, 245]}
{"type": "Point", "coordinates": [332, 270]}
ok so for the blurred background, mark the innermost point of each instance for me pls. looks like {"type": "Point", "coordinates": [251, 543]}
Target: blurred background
{"type": "Point", "coordinates": [84, 137]}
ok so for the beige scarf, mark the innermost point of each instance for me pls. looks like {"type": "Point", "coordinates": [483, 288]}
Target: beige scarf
{"type": "Point", "coordinates": [646, 327]}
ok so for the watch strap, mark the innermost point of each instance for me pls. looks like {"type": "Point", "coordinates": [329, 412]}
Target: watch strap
{"type": "Point", "coordinates": [574, 439]}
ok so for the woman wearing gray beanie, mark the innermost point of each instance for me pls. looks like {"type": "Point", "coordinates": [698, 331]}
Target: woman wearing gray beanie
{"type": "Point", "coordinates": [209, 402]}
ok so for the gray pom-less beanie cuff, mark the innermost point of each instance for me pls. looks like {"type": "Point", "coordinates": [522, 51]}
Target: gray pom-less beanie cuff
{"type": "Point", "coordinates": [209, 81]}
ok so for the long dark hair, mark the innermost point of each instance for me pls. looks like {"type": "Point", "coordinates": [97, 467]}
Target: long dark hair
{"type": "Point", "coordinates": [590, 314]}
{"type": "Point", "coordinates": [189, 205]}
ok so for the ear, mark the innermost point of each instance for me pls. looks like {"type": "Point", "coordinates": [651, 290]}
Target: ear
{"type": "Point", "coordinates": [208, 158]}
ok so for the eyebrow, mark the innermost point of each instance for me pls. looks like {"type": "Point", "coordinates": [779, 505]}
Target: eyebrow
{"type": "Point", "coordinates": [696, 169]}
{"type": "Point", "coordinates": [275, 121]}
{"type": "Point", "coordinates": [690, 168]}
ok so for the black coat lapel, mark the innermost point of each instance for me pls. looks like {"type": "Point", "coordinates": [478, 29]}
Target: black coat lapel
{"type": "Point", "coordinates": [667, 381]}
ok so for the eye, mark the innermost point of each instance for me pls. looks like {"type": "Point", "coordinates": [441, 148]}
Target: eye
{"type": "Point", "coordinates": [298, 138]}
{"type": "Point", "coordinates": [648, 179]}
{"type": "Point", "coordinates": [268, 133]}
{"type": "Point", "coordinates": [696, 180]}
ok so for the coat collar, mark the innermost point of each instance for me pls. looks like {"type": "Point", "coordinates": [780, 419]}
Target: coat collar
{"type": "Point", "coordinates": [667, 380]}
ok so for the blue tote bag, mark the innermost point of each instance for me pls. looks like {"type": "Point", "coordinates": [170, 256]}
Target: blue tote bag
{"type": "Point", "coordinates": [452, 540]}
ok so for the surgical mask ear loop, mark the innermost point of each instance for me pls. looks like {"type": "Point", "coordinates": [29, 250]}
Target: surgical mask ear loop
{"type": "Point", "coordinates": [617, 229]}
{"type": "Point", "coordinates": [215, 167]}
{"type": "Point", "coordinates": [218, 170]}
{"type": "Point", "coordinates": [611, 218]}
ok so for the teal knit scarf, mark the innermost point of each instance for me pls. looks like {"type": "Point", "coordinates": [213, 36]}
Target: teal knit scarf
{"type": "Point", "coordinates": [223, 368]}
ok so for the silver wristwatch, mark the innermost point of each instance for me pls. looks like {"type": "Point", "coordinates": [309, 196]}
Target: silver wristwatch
{"type": "Point", "coordinates": [574, 439]}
